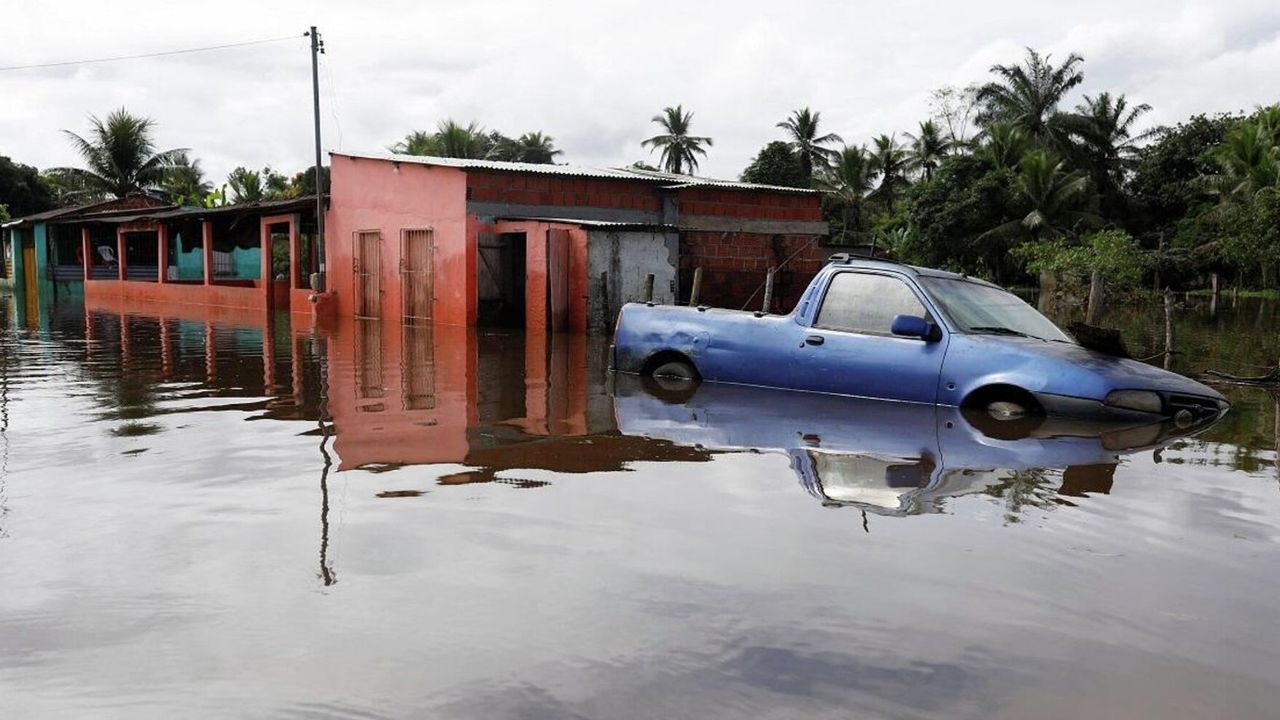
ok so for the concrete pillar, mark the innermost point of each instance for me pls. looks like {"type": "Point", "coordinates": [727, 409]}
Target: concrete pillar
{"type": "Point", "coordinates": [162, 257]}
{"type": "Point", "coordinates": [85, 247]}
{"type": "Point", "coordinates": [206, 246]}
{"type": "Point", "coordinates": [121, 264]}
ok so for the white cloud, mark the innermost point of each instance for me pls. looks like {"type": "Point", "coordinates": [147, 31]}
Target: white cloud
{"type": "Point", "coordinates": [593, 73]}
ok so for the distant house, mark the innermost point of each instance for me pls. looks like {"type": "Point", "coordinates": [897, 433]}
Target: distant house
{"type": "Point", "coordinates": [475, 242]}
{"type": "Point", "coordinates": [143, 249]}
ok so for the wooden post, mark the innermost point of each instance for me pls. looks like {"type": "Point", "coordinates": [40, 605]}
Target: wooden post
{"type": "Point", "coordinates": [206, 247]}
{"type": "Point", "coordinates": [697, 285]}
{"type": "Point", "coordinates": [162, 253]}
{"type": "Point", "coordinates": [1168, 329]}
{"type": "Point", "coordinates": [85, 247]}
{"type": "Point", "coordinates": [648, 288]}
{"type": "Point", "coordinates": [768, 290]}
{"type": "Point", "coordinates": [1094, 312]}
{"type": "Point", "coordinates": [122, 268]}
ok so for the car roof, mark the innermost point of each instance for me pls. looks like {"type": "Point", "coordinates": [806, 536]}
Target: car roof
{"type": "Point", "coordinates": [847, 261]}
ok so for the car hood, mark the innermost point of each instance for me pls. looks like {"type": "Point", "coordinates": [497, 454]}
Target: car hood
{"type": "Point", "coordinates": [1065, 368]}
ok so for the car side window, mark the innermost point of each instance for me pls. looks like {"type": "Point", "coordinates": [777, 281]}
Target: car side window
{"type": "Point", "coordinates": [864, 303]}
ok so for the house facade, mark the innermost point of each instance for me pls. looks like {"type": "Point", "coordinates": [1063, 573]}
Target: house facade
{"type": "Point", "coordinates": [554, 247]}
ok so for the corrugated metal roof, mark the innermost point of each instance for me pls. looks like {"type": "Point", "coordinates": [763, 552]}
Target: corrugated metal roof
{"type": "Point", "coordinates": [603, 224]}
{"type": "Point", "coordinates": [668, 180]}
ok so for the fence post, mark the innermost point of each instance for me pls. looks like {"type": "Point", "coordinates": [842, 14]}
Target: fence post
{"type": "Point", "coordinates": [648, 288]}
{"type": "Point", "coordinates": [697, 285]}
{"type": "Point", "coordinates": [1094, 312]}
{"type": "Point", "coordinates": [768, 290]}
{"type": "Point", "coordinates": [1168, 329]}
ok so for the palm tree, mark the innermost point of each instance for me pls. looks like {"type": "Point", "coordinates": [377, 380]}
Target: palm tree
{"type": "Point", "coordinates": [246, 185]}
{"type": "Point", "coordinates": [1004, 144]}
{"type": "Point", "coordinates": [889, 161]}
{"type": "Point", "coordinates": [1108, 143]}
{"type": "Point", "coordinates": [535, 147]}
{"type": "Point", "coordinates": [455, 140]}
{"type": "Point", "coordinates": [1249, 161]}
{"type": "Point", "coordinates": [927, 149]}
{"type": "Point", "coordinates": [184, 183]}
{"type": "Point", "coordinates": [1057, 201]}
{"type": "Point", "coordinates": [680, 150]}
{"type": "Point", "coordinates": [802, 127]}
{"type": "Point", "coordinates": [848, 181]}
{"type": "Point", "coordinates": [1027, 95]}
{"type": "Point", "coordinates": [120, 157]}
{"type": "Point", "coordinates": [417, 142]}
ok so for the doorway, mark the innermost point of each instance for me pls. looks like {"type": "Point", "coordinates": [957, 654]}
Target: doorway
{"type": "Point", "coordinates": [500, 279]}
{"type": "Point", "coordinates": [417, 278]}
{"type": "Point", "coordinates": [368, 263]}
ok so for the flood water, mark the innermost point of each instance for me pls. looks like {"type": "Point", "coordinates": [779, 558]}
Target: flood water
{"type": "Point", "coordinates": [207, 516]}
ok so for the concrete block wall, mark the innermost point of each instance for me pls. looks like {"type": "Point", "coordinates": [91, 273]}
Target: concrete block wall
{"type": "Point", "coordinates": [734, 266]}
{"type": "Point", "coordinates": [561, 191]}
{"type": "Point", "coordinates": [752, 204]}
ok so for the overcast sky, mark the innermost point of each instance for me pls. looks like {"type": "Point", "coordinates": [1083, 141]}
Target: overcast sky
{"type": "Point", "coordinates": [592, 74]}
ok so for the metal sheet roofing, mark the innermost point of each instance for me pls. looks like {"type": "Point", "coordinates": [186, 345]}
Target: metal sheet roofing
{"type": "Point", "coordinates": [597, 224]}
{"type": "Point", "coordinates": [668, 180]}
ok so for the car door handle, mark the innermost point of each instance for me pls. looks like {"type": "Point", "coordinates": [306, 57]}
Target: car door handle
{"type": "Point", "coordinates": [814, 340]}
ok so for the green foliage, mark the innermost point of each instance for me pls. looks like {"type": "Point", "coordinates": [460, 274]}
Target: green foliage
{"type": "Point", "coordinates": [928, 148]}
{"type": "Point", "coordinates": [679, 150]}
{"type": "Point", "coordinates": [848, 181]}
{"type": "Point", "coordinates": [1052, 200]}
{"type": "Point", "coordinates": [950, 215]}
{"type": "Point", "coordinates": [184, 182]}
{"type": "Point", "coordinates": [452, 139]}
{"type": "Point", "coordinates": [776, 164]}
{"type": "Point", "coordinates": [23, 190]}
{"type": "Point", "coordinates": [1115, 253]}
{"type": "Point", "coordinates": [1166, 183]}
{"type": "Point", "coordinates": [889, 160]}
{"type": "Point", "coordinates": [1027, 96]}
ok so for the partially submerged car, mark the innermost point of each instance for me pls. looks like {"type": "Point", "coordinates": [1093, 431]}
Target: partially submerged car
{"type": "Point", "coordinates": [879, 329]}
{"type": "Point", "coordinates": [888, 458]}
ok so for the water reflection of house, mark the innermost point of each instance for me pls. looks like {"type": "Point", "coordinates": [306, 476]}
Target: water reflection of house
{"type": "Point", "coordinates": [405, 394]}
{"type": "Point", "coordinates": [472, 242]}
{"type": "Point", "coordinates": [142, 250]}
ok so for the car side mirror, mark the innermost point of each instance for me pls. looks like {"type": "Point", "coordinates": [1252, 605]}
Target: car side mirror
{"type": "Point", "coordinates": [912, 326]}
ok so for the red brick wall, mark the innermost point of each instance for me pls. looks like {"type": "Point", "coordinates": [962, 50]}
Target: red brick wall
{"type": "Point", "coordinates": [528, 189]}
{"type": "Point", "coordinates": [734, 266]}
{"type": "Point", "coordinates": [756, 204]}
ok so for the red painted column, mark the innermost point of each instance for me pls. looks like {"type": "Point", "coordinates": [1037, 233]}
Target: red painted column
{"type": "Point", "coordinates": [295, 254]}
{"type": "Point", "coordinates": [162, 257]}
{"type": "Point", "coordinates": [84, 252]}
{"type": "Point", "coordinates": [206, 244]}
{"type": "Point", "coordinates": [121, 265]}
{"type": "Point", "coordinates": [265, 242]}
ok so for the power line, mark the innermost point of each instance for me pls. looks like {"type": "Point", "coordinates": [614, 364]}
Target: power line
{"type": "Point", "coordinates": [149, 55]}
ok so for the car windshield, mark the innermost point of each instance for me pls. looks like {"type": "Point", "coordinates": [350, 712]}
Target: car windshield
{"type": "Point", "coordinates": [979, 308]}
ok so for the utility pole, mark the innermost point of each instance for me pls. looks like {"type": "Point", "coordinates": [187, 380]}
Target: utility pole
{"type": "Point", "coordinates": [317, 245]}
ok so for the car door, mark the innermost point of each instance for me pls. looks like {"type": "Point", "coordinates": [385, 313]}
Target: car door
{"type": "Point", "coordinates": [848, 347]}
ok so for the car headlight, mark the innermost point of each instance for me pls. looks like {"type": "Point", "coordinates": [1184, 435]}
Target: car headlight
{"type": "Point", "coordinates": [1140, 400]}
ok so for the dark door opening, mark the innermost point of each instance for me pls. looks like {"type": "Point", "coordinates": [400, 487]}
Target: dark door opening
{"type": "Point", "coordinates": [500, 279]}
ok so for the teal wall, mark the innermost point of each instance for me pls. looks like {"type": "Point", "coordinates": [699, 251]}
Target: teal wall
{"type": "Point", "coordinates": [246, 263]}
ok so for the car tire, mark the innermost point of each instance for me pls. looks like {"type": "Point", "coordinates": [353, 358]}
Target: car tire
{"type": "Point", "coordinates": [675, 370]}
{"type": "Point", "coordinates": [673, 382]}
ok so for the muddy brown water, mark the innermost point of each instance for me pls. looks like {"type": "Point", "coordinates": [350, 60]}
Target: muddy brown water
{"type": "Point", "coordinates": [206, 516]}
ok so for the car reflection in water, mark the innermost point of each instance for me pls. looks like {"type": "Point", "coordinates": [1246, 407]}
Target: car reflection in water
{"type": "Point", "coordinates": [887, 458]}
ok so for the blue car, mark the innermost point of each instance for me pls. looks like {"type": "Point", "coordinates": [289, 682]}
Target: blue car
{"type": "Point", "coordinates": [878, 329]}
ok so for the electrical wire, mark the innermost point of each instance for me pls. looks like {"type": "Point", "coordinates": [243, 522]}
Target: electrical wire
{"type": "Point", "coordinates": [148, 55]}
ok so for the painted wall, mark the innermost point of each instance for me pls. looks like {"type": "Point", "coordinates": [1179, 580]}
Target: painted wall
{"type": "Point", "coordinates": [624, 259]}
{"type": "Point", "coordinates": [390, 197]}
